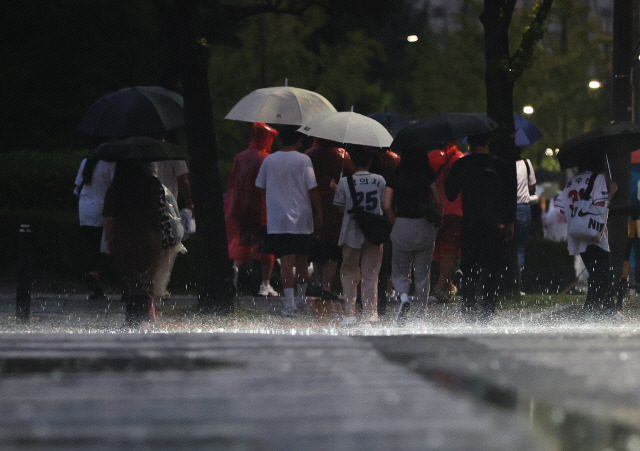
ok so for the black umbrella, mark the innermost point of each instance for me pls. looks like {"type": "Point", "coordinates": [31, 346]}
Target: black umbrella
{"type": "Point", "coordinates": [612, 140]}
{"type": "Point", "coordinates": [434, 132]}
{"type": "Point", "coordinates": [138, 148]}
{"type": "Point", "coordinates": [136, 111]}
{"type": "Point", "coordinates": [393, 122]}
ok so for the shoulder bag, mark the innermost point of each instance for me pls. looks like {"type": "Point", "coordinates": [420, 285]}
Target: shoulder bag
{"type": "Point", "coordinates": [375, 228]}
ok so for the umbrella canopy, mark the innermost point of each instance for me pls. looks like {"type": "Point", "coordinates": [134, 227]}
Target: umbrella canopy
{"type": "Point", "coordinates": [348, 127]}
{"type": "Point", "coordinates": [135, 111]}
{"type": "Point", "coordinates": [526, 131]}
{"type": "Point", "coordinates": [393, 122]}
{"type": "Point", "coordinates": [138, 148]}
{"type": "Point", "coordinates": [434, 132]}
{"type": "Point", "coordinates": [611, 140]}
{"type": "Point", "coordinates": [280, 105]}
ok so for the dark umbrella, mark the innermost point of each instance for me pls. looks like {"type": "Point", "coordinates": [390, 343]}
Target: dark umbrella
{"type": "Point", "coordinates": [138, 148]}
{"type": "Point", "coordinates": [393, 122]}
{"type": "Point", "coordinates": [612, 140]}
{"type": "Point", "coordinates": [526, 131]}
{"type": "Point", "coordinates": [136, 111]}
{"type": "Point", "coordinates": [434, 132]}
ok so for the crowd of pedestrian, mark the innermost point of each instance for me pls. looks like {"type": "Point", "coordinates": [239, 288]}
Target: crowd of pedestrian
{"type": "Point", "coordinates": [297, 205]}
{"type": "Point", "coordinates": [309, 210]}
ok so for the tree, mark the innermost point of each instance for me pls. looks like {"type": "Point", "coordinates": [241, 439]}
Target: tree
{"type": "Point", "coordinates": [504, 68]}
{"type": "Point", "coordinates": [575, 51]}
{"type": "Point", "coordinates": [502, 71]}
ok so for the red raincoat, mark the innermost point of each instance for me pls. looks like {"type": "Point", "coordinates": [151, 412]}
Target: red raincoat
{"type": "Point", "coordinates": [244, 205]}
{"type": "Point", "coordinates": [441, 162]}
{"type": "Point", "coordinates": [328, 164]}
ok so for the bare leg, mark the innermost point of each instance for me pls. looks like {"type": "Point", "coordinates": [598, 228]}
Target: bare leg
{"type": "Point", "coordinates": [329, 269]}
{"type": "Point", "coordinates": [446, 266]}
{"type": "Point", "coordinates": [266, 264]}
{"type": "Point", "coordinates": [302, 268]}
{"type": "Point", "coordinates": [286, 270]}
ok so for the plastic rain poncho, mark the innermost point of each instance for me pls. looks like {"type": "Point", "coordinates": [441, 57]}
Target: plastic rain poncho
{"type": "Point", "coordinates": [244, 205]}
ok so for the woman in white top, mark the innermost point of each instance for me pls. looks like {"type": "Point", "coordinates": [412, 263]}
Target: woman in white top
{"type": "Point", "coordinates": [595, 255]}
{"type": "Point", "coordinates": [93, 180]}
{"type": "Point", "coordinates": [361, 259]}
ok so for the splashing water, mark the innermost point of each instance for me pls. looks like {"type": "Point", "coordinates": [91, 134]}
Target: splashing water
{"type": "Point", "coordinates": [74, 313]}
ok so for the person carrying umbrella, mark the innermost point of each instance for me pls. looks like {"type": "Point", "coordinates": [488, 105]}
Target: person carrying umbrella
{"type": "Point", "coordinates": [330, 163]}
{"type": "Point", "coordinates": [488, 216]}
{"type": "Point", "coordinates": [413, 236]}
{"type": "Point", "coordinates": [595, 255]}
{"type": "Point", "coordinates": [294, 210]}
{"type": "Point", "coordinates": [132, 223]}
{"type": "Point", "coordinates": [361, 259]}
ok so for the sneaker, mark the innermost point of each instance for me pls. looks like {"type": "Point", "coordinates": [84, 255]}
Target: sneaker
{"type": "Point", "coordinates": [288, 312]}
{"type": "Point", "coordinates": [347, 321]}
{"type": "Point", "coordinates": [403, 310]}
{"type": "Point", "coordinates": [267, 290]}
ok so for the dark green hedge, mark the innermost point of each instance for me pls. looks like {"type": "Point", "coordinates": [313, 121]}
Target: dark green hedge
{"type": "Point", "coordinates": [38, 180]}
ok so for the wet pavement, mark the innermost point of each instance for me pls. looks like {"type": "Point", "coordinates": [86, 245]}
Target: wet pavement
{"type": "Point", "coordinates": [74, 378]}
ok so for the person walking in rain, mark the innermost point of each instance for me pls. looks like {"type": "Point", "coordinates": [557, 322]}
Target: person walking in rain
{"type": "Point", "coordinates": [595, 255]}
{"type": "Point", "coordinates": [447, 248]}
{"type": "Point", "coordinates": [135, 235]}
{"type": "Point", "coordinates": [245, 209]}
{"type": "Point", "coordinates": [293, 212]}
{"type": "Point", "coordinates": [412, 236]}
{"type": "Point", "coordinates": [93, 179]}
{"type": "Point", "coordinates": [330, 163]}
{"type": "Point", "coordinates": [526, 192]}
{"type": "Point", "coordinates": [360, 259]}
{"type": "Point", "coordinates": [488, 215]}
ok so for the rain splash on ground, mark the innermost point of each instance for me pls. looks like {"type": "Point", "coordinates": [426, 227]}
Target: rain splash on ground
{"type": "Point", "coordinates": [75, 313]}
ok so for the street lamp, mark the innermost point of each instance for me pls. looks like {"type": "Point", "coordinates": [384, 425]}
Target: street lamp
{"type": "Point", "coordinates": [527, 109]}
{"type": "Point", "coordinates": [595, 84]}
{"type": "Point", "coordinates": [412, 38]}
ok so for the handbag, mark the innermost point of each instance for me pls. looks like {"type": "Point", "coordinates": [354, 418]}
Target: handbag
{"type": "Point", "coordinates": [375, 228]}
{"type": "Point", "coordinates": [587, 221]}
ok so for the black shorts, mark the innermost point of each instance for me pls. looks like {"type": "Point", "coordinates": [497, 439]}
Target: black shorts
{"type": "Point", "coordinates": [321, 251]}
{"type": "Point", "coordinates": [280, 244]}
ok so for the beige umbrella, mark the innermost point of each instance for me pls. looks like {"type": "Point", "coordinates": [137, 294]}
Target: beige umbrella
{"type": "Point", "coordinates": [348, 127]}
{"type": "Point", "coordinates": [280, 105]}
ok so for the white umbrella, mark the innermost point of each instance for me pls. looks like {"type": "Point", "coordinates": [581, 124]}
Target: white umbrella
{"type": "Point", "coordinates": [280, 105]}
{"type": "Point", "coordinates": [349, 128]}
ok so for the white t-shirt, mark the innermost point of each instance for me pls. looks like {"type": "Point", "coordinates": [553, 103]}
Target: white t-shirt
{"type": "Point", "coordinates": [573, 191]}
{"type": "Point", "coordinates": [168, 173]}
{"type": "Point", "coordinates": [287, 177]}
{"type": "Point", "coordinates": [524, 181]}
{"type": "Point", "coordinates": [91, 196]}
{"type": "Point", "coordinates": [370, 192]}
